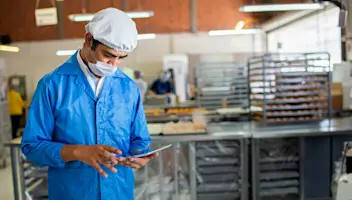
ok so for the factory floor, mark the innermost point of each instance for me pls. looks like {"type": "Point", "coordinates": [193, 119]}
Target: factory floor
{"type": "Point", "coordinates": [6, 186]}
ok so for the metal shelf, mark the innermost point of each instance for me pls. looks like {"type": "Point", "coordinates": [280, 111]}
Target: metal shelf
{"type": "Point", "coordinates": [222, 82]}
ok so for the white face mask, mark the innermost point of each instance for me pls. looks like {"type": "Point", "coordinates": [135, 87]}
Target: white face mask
{"type": "Point", "coordinates": [101, 68]}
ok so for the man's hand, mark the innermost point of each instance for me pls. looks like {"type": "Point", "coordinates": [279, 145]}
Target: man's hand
{"type": "Point", "coordinates": [93, 155]}
{"type": "Point", "coordinates": [137, 163]}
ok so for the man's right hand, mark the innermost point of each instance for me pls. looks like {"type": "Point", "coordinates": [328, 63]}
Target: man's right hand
{"type": "Point", "coordinates": [93, 155]}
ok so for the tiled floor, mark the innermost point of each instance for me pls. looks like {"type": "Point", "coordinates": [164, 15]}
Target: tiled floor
{"type": "Point", "coordinates": [6, 187]}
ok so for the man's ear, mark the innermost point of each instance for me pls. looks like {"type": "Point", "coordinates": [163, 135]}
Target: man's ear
{"type": "Point", "coordinates": [88, 39]}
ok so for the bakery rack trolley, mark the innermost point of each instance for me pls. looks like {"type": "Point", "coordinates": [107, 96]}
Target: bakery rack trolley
{"type": "Point", "coordinates": [222, 85]}
{"type": "Point", "coordinates": [290, 87]}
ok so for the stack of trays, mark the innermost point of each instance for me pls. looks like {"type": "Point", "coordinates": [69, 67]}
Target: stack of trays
{"type": "Point", "coordinates": [218, 170]}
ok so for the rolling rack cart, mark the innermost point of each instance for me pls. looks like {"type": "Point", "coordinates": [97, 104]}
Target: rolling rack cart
{"type": "Point", "coordinates": [223, 85]}
{"type": "Point", "coordinates": [285, 88]}
{"type": "Point", "coordinates": [290, 88]}
{"type": "Point", "coordinates": [219, 170]}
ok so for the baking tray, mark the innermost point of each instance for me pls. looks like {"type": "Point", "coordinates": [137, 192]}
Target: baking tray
{"type": "Point", "coordinates": [300, 80]}
{"type": "Point", "coordinates": [296, 114]}
{"type": "Point", "coordinates": [279, 191]}
{"type": "Point", "coordinates": [295, 108]}
{"type": "Point", "coordinates": [213, 161]}
{"type": "Point", "coordinates": [279, 175]}
{"type": "Point", "coordinates": [295, 101]}
{"type": "Point", "coordinates": [279, 184]}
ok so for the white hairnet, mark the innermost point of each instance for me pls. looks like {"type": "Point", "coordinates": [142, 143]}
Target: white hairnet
{"type": "Point", "coordinates": [114, 28]}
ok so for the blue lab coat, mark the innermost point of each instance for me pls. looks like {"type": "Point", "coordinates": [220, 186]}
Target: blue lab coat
{"type": "Point", "coordinates": [65, 110]}
{"type": "Point", "coordinates": [160, 88]}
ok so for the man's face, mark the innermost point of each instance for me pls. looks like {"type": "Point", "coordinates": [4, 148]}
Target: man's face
{"type": "Point", "coordinates": [104, 54]}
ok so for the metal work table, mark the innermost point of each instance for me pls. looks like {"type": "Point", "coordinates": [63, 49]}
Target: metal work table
{"type": "Point", "coordinates": [217, 133]}
{"type": "Point", "coordinates": [184, 143]}
{"type": "Point", "coordinates": [186, 104]}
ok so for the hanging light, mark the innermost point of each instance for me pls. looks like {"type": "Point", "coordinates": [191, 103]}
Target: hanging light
{"type": "Point", "coordinates": [281, 7]}
{"type": "Point", "coordinates": [9, 48]}
{"type": "Point", "coordinates": [234, 32]}
{"type": "Point", "coordinates": [89, 16]}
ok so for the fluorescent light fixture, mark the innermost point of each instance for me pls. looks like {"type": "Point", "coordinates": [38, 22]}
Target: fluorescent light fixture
{"type": "Point", "coordinates": [9, 48]}
{"type": "Point", "coordinates": [240, 25]}
{"type": "Point", "coordinates": [89, 16]}
{"type": "Point", "coordinates": [146, 36]}
{"type": "Point", "coordinates": [142, 14]}
{"type": "Point", "coordinates": [281, 7]}
{"type": "Point", "coordinates": [234, 32]}
{"type": "Point", "coordinates": [139, 37]}
{"type": "Point", "coordinates": [65, 52]}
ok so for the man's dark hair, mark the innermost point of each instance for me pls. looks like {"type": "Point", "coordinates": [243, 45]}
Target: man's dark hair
{"type": "Point", "coordinates": [95, 44]}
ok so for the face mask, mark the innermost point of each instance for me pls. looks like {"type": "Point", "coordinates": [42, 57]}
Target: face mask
{"type": "Point", "coordinates": [101, 69]}
{"type": "Point", "coordinates": [164, 79]}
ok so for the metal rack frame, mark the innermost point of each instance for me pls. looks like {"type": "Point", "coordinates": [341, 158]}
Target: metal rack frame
{"type": "Point", "coordinates": [290, 87]}
{"type": "Point", "coordinates": [217, 81]}
{"type": "Point", "coordinates": [284, 181]}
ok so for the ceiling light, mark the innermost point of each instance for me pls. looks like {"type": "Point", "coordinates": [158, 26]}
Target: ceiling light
{"type": "Point", "coordinates": [281, 7]}
{"type": "Point", "coordinates": [89, 16]}
{"type": "Point", "coordinates": [65, 52]}
{"type": "Point", "coordinates": [234, 32]}
{"type": "Point", "coordinates": [139, 37]}
{"type": "Point", "coordinates": [240, 25]}
{"type": "Point", "coordinates": [147, 36]}
{"type": "Point", "coordinates": [9, 48]}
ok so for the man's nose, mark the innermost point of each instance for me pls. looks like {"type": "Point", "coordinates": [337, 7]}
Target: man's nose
{"type": "Point", "coordinates": [114, 61]}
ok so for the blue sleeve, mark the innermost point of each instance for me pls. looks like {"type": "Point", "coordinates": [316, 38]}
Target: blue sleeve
{"type": "Point", "coordinates": [37, 144]}
{"type": "Point", "coordinates": [140, 137]}
{"type": "Point", "coordinates": [171, 87]}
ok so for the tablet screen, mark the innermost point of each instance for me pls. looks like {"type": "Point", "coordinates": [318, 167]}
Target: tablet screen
{"type": "Point", "coordinates": [154, 151]}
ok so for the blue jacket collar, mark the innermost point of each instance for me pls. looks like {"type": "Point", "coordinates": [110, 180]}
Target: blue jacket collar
{"type": "Point", "coordinates": [71, 67]}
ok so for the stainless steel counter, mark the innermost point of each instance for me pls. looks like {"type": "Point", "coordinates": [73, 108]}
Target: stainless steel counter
{"type": "Point", "coordinates": [238, 130]}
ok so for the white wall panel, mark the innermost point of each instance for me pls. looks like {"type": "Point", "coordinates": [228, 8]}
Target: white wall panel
{"type": "Point", "coordinates": [317, 32]}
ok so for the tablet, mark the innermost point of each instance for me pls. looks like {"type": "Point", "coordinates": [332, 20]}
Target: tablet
{"type": "Point", "coordinates": [152, 152]}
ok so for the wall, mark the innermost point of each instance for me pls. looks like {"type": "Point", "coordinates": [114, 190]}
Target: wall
{"type": "Point", "coordinates": [317, 32]}
{"type": "Point", "coordinates": [170, 16]}
{"type": "Point", "coordinates": [35, 59]}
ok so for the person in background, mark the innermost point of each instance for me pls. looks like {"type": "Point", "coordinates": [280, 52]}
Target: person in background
{"type": "Point", "coordinates": [143, 86]}
{"type": "Point", "coordinates": [16, 107]}
{"type": "Point", "coordinates": [162, 86]}
{"type": "Point", "coordinates": [86, 121]}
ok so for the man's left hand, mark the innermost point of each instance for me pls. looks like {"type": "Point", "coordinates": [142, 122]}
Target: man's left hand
{"type": "Point", "coordinates": [137, 163]}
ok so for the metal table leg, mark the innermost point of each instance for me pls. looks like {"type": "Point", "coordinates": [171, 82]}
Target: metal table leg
{"type": "Point", "coordinates": [244, 169]}
{"type": "Point", "coordinates": [146, 180]}
{"type": "Point", "coordinates": [192, 171]}
{"type": "Point", "coordinates": [21, 173]}
{"type": "Point", "coordinates": [161, 175]}
{"type": "Point", "coordinates": [301, 168]}
{"type": "Point", "coordinates": [175, 156]}
{"type": "Point", "coordinates": [255, 169]}
{"type": "Point", "coordinates": [14, 163]}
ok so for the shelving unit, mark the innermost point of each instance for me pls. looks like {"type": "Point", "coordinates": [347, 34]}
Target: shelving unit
{"type": "Point", "coordinates": [5, 132]}
{"type": "Point", "coordinates": [5, 122]}
{"type": "Point", "coordinates": [219, 171]}
{"type": "Point", "coordinates": [276, 169]}
{"type": "Point", "coordinates": [222, 83]}
{"type": "Point", "coordinates": [35, 180]}
{"type": "Point", "coordinates": [290, 87]}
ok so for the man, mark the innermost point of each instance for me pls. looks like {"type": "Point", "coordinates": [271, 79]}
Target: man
{"type": "Point", "coordinates": [16, 106]}
{"type": "Point", "coordinates": [143, 86]}
{"type": "Point", "coordinates": [162, 86]}
{"type": "Point", "coordinates": [87, 117]}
